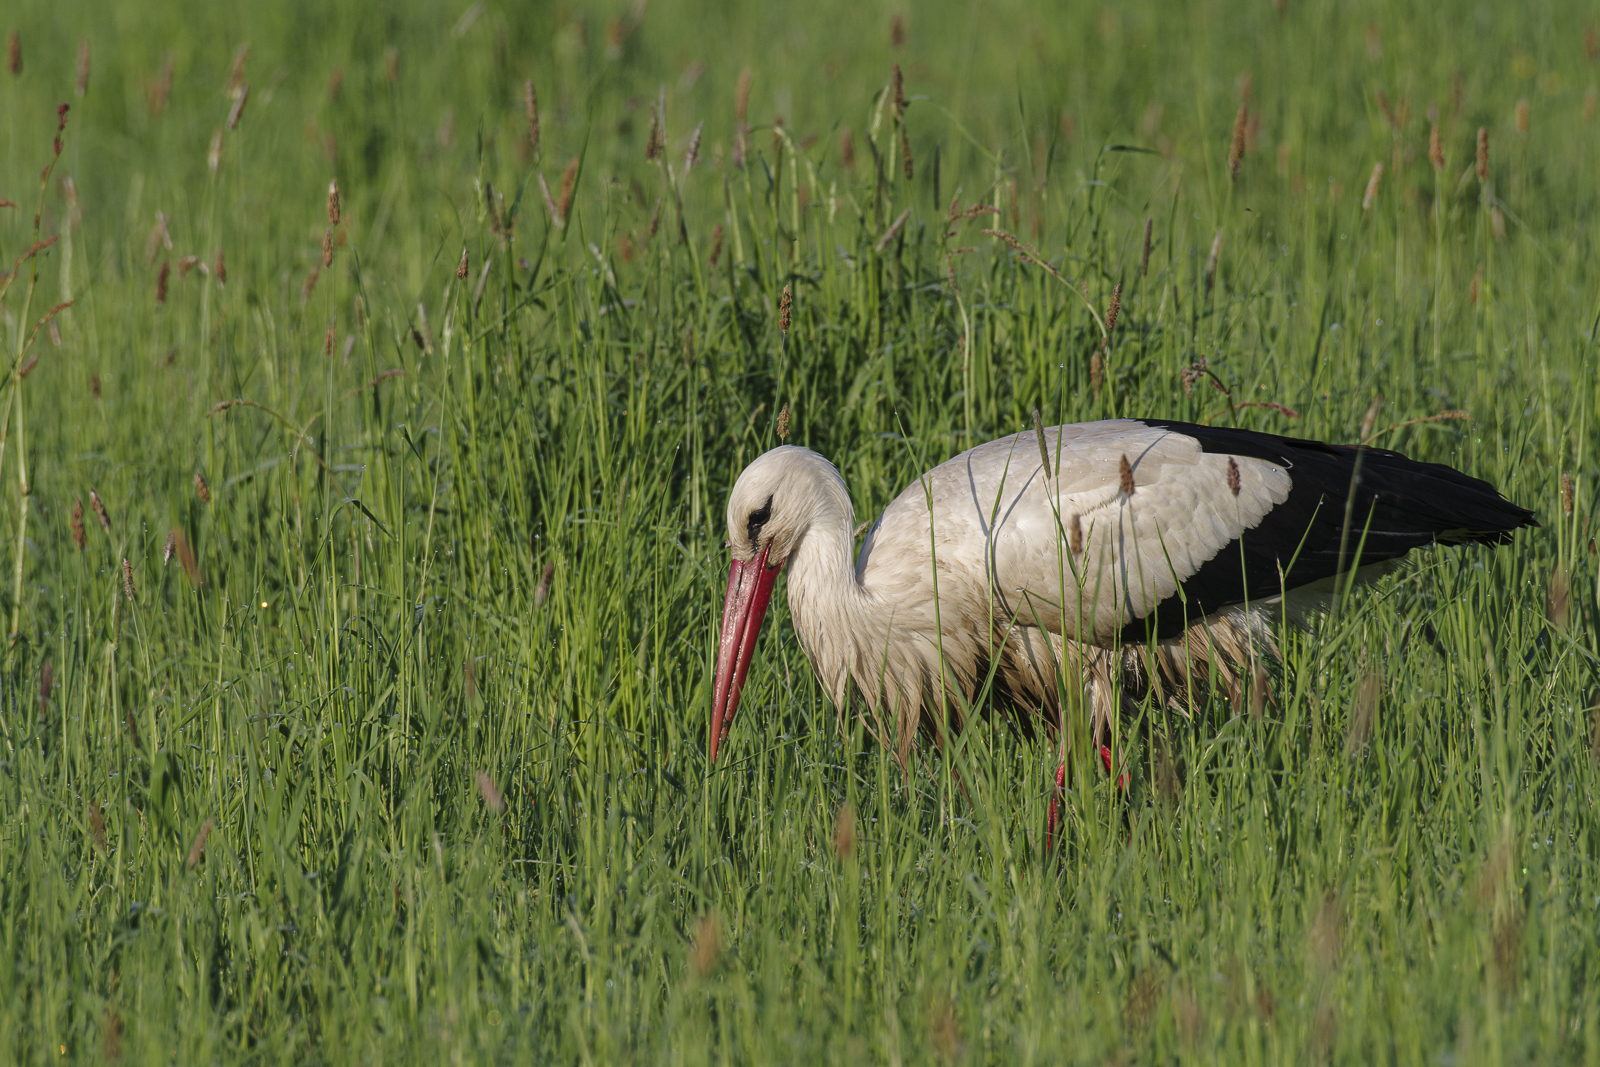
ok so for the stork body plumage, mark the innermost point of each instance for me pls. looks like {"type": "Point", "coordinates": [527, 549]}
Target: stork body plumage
{"type": "Point", "coordinates": [1132, 555]}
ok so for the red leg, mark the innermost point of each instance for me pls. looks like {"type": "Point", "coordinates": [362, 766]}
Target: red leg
{"type": "Point", "coordinates": [1055, 799]}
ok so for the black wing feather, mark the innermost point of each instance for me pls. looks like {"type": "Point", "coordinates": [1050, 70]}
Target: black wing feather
{"type": "Point", "coordinates": [1395, 504]}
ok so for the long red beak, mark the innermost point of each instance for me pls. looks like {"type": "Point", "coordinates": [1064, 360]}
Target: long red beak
{"type": "Point", "coordinates": [749, 590]}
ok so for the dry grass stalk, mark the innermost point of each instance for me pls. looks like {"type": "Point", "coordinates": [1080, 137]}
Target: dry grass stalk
{"type": "Point", "coordinates": [1364, 716]}
{"type": "Point", "coordinates": [705, 947]}
{"type": "Point", "coordinates": [238, 107]}
{"type": "Point", "coordinates": [170, 547]}
{"type": "Point", "coordinates": [14, 53]}
{"type": "Point", "coordinates": [1373, 183]}
{"type": "Point", "coordinates": [214, 153]}
{"type": "Point", "coordinates": [197, 849]}
{"type": "Point", "coordinates": [127, 580]}
{"type": "Point", "coordinates": [1125, 476]}
{"type": "Point", "coordinates": [541, 592]}
{"type": "Point", "coordinates": [1144, 257]}
{"type": "Point", "coordinates": [97, 826]}
{"type": "Point", "coordinates": [1435, 148]}
{"type": "Point", "coordinates": [844, 832]}
{"type": "Point", "coordinates": [785, 305]}
{"type": "Point", "coordinates": [1236, 146]}
{"type": "Point", "coordinates": [943, 1032]}
{"type": "Point", "coordinates": [1523, 120]}
{"type": "Point", "coordinates": [530, 107]}
{"type": "Point", "coordinates": [783, 423]}
{"type": "Point", "coordinates": [79, 536]}
{"type": "Point", "coordinates": [111, 1035]}
{"type": "Point", "coordinates": [486, 787]}
{"type": "Point", "coordinates": [99, 508]}
{"type": "Point", "coordinates": [80, 84]}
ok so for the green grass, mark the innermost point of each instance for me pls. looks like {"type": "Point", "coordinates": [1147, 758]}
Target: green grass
{"type": "Point", "coordinates": [1394, 862]}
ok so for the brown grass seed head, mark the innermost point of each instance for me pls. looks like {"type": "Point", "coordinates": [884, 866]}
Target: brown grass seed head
{"type": "Point", "coordinates": [463, 266]}
{"type": "Point", "coordinates": [1483, 154]}
{"type": "Point", "coordinates": [844, 832]}
{"type": "Point", "coordinates": [486, 789]}
{"type": "Point", "coordinates": [333, 202]}
{"type": "Point", "coordinates": [542, 591]}
{"type": "Point", "coordinates": [127, 579]}
{"type": "Point", "coordinates": [741, 97]}
{"type": "Point", "coordinates": [80, 84]}
{"type": "Point", "coordinates": [693, 153]}
{"type": "Point", "coordinates": [238, 108]}
{"type": "Point", "coordinates": [197, 849]}
{"type": "Point", "coordinates": [1522, 116]}
{"type": "Point", "coordinates": [170, 547]}
{"type": "Point", "coordinates": [1233, 476]}
{"type": "Point", "coordinates": [161, 281]}
{"type": "Point", "coordinates": [785, 303]}
{"type": "Point", "coordinates": [14, 53]}
{"type": "Point", "coordinates": [1566, 493]}
{"type": "Point", "coordinates": [201, 489]}
{"type": "Point", "coordinates": [79, 536]}
{"type": "Point", "coordinates": [1372, 187]}
{"type": "Point", "coordinates": [99, 508]}
{"type": "Point", "coordinates": [569, 181]}
{"type": "Point", "coordinates": [783, 423]}
{"type": "Point", "coordinates": [1125, 476]}
{"type": "Point", "coordinates": [705, 948]}
{"type": "Point", "coordinates": [1236, 147]}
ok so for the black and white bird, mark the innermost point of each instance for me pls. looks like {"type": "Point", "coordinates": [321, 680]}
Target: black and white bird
{"type": "Point", "coordinates": [1137, 555]}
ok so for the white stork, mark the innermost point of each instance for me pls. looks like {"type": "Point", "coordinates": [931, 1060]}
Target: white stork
{"type": "Point", "coordinates": [1133, 554]}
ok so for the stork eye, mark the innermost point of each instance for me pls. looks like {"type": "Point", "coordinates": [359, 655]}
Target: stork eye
{"type": "Point", "coordinates": [758, 519]}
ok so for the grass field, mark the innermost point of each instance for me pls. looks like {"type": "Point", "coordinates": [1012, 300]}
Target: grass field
{"type": "Point", "coordinates": [401, 756]}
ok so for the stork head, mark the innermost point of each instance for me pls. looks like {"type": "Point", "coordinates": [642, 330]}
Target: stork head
{"type": "Point", "coordinates": [770, 509]}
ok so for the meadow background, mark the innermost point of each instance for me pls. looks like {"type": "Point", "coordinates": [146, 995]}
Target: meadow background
{"type": "Point", "coordinates": [363, 719]}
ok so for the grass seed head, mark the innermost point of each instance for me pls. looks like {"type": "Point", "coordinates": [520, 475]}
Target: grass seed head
{"type": "Point", "coordinates": [783, 424]}
{"type": "Point", "coordinates": [1497, 223]}
{"type": "Point", "coordinates": [693, 153]}
{"type": "Point", "coordinates": [785, 304]}
{"type": "Point", "coordinates": [530, 106]}
{"type": "Point", "coordinates": [1233, 476]}
{"type": "Point", "coordinates": [201, 489]}
{"type": "Point", "coordinates": [1566, 493]}
{"type": "Point", "coordinates": [161, 88]}
{"type": "Point", "coordinates": [1075, 535]}
{"type": "Point", "coordinates": [1236, 146]}
{"type": "Point", "coordinates": [569, 181]}
{"type": "Point", "coordinates": [1370, 419]}
{"type": "Point", "coordinates": [190, 565]}
{"type": "Point", "coordinates": [716, 243]}
{"type": "Point", "coordinates": [327, 248]}
{"type": "Point", "coordinates": [1114, 308]}
{"type": "Point", "coordinates": [127, 580]}
{"type": "Point", "coordinates": [897, 90]}
{"type": "Point", "coordinates": [463, 266]}
{"type": "Point", "coordinates": [80, 537]}
{"type": "Point", "coordinates": [80, 84]}
{"type": "Point", "coordinates": [161, 281]}
{"type": "Point", "coordinates": [897, 30]}
{"type": "Point", "coordinates": [1522, 116]}
{"type": "Point", "coordinates": [1373, 183]}
{"type": "Point", "coordinates": [99, 508]}
{"type": "Point", "coordinates": [1212, 260]}
{"type": "Point", "coordinates": [214, 153]}
{"type": "Point", "coordinates": [844, 832]}
{"type": "Point", "coordinates": [1125, 476]}
{"type": "Point", "coordinates": [541, 592]}
{"type": "Point", "coordinates": [847, 148]}
{"type": "Point", "coordinates": [169, 548]}
{"type": "Point", "coordinates": [327, 338]}
{"type": "Point", "coordinates": [220, 268]}
{"type": "Point", "coordinates": [1435, 148]}
{"type": "Point", "coordinates": [236, 73]}
{"type": "Point", "coordinates": [14, 53]}
{"type": "Point", "coordinates": [741, 97]}
{"type": "Point", "coordinates": [197, 848]}
{"type": "Point", "coordinates": [1097, 372]}
{"type": "Point", "coordinates": [238, 107]}
{"type": "Point", "coordinates": [1325, 935]}
{"type": "Point", "coordinates": [1483, 153]}
{"type": "Point", "coordinates": [310, 284]}
{"type": "Point", "coordinates": [486, 787]}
